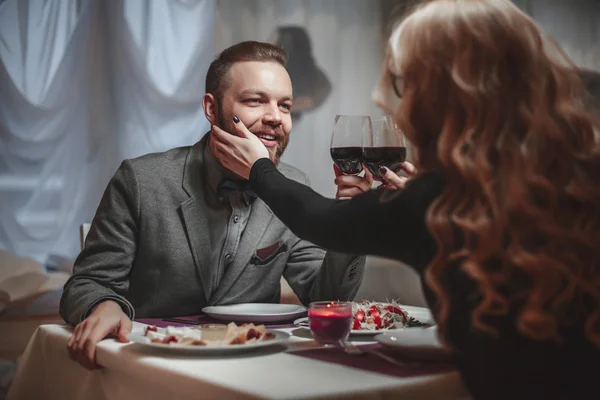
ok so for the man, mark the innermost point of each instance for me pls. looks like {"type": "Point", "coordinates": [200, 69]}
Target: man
{"type": "Point", "coordinates": [175, 231]}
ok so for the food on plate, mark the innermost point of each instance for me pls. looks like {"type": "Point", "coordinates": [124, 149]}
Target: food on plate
{"type": "Point", "coordinates": [193, 336]}
{"type": "Point", "coordinates": [369, 316]}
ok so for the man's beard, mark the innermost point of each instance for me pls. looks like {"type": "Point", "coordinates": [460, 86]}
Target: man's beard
{"type": "Point", "coordinates": [275, 152]}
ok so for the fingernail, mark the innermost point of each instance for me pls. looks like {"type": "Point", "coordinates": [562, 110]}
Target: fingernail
{"type": "Point", "coordinates": [236, 119]}
{"type": "Point", "coordinates": [382, 170]}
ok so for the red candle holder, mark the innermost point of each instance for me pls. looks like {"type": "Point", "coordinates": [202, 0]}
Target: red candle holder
{"type": "Point", "coordinates": [330, 321]}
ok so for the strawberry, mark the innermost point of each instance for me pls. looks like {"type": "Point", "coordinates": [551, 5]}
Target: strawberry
{"type": "Point", "coordinates": [170, 339]}
{"type": "Point", "coordinates": [378, 322]}
{"type": "Point", "coordinates": [374, 311]}
{"type": "Point", "coordinates": [397, 311]}
{"type": "Point", "coordinates": [356, 325]}
{"type": "Point", "coordinates": [394, 310]}
{"type": "Point", "coordinates": [360, 315]}
{"type": "Point", "coordinates": [151, 329]}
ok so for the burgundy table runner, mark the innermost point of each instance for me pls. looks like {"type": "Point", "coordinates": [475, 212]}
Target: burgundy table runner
{"type": "Point", "coordinates": [372, 363]}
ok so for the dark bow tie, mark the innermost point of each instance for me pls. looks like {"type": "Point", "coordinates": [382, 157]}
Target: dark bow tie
{"type": "Point", "coordinates": [227, 187]}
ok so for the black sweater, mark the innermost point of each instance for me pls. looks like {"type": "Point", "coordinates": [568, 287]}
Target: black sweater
{"type": "Point", "coordinates": [507, 366]}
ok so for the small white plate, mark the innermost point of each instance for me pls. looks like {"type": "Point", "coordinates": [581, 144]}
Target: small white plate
{"type": "Point", "coordinates": [280, 337]}
{"type": "Point", "coordinates": [416, 342]}
{"type": "Point", "coordinates": [421, 314]}
{"type": "Point", "coordinates": [255, 312]}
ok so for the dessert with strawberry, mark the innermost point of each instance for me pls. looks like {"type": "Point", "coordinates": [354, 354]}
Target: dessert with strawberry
{"type": "Point", "coordinates": [369, 315]}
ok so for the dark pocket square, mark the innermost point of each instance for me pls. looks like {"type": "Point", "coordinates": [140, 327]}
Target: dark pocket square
{"type": "Point", "coordinates": [266, 254]}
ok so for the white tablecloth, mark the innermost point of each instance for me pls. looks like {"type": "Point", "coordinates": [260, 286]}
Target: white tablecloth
{"type": "Point", "coordinates": [47, 372]}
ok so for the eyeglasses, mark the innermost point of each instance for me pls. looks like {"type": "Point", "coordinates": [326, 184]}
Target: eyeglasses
{"type": "Point", "coordinates": [397, 84]}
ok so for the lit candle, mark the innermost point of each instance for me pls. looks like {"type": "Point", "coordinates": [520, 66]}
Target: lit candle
{"type": "Point", "coordinates": [330, 322]}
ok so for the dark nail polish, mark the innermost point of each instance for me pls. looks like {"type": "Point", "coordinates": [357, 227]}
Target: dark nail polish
{"type": "Point", "coordinates": [382, 170]}
{"type": "Point", "coordinates": [236, 120]}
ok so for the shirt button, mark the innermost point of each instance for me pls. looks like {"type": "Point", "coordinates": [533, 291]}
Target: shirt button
{"type": "Point", "coordinates": [227, 256]}
{"type": "Point", "coordinates": [236, 219]}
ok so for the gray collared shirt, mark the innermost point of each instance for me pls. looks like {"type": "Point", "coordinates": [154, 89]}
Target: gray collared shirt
{"type": "Point", "coordinates": [227, 217]}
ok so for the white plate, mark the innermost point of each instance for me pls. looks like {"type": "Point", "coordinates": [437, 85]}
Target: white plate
{"type": "Point", "coordinates": [303, 323]}
{"type": "Point", "coordinates": [280, 337]}
{"type": "Point", "coordinates": [363, 332]}
{"type": "Point", "coordinates": [417, 342]}
{"type": "Point", "coordinates": [421, 314]}
{"type": "Point", "coordinates": [255, 312]}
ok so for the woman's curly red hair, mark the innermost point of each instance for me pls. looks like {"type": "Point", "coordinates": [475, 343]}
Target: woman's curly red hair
{"type": "Point", "coordinates": [499, 108]}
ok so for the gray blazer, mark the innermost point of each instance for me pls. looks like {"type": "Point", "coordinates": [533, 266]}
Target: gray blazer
{"type": "Point", "coordinates": [148, 248]}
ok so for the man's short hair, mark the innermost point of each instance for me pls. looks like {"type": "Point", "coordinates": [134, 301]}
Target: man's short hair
{"type": "Point", "coordinates": [217, 78]}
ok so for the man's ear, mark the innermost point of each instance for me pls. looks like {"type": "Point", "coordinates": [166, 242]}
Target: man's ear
{"type": "Point", "coordinates": [211, 108]}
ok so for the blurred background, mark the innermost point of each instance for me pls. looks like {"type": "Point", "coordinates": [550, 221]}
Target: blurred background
{"type": "Point", "coordinates": [85, 84]}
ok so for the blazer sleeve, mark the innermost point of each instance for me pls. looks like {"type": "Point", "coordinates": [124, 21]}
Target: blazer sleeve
{"type": "Point", "coordinates": [101, 271]}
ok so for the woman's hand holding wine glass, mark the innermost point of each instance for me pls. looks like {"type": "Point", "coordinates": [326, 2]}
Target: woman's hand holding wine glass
{"type": "Point", "coordinates": [393, 181]}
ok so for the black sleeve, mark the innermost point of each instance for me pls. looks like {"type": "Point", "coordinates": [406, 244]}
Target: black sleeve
{"type": "Point", "coordinates": [378, 223]}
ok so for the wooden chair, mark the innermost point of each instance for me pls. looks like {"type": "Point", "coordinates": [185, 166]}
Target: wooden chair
{"type": "Point", "coordinates": [83, 231]}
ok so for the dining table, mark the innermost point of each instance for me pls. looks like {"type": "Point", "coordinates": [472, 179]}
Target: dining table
{"type": "Point", "coordinates": [299, 368]}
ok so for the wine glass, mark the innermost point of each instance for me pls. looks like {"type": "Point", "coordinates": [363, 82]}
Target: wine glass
{"type": "Point", "coordinates": [347, 141]}
{"type": "Point", "coordinates": [386, 147]}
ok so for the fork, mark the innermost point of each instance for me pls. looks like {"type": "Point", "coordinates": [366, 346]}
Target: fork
{"type": "Point", "coordinates": [353, 350]}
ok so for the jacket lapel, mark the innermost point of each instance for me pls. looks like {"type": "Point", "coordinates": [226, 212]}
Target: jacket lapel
{"type": "Point", "coordinates": [194, 218]}
{"type": "Point", "coordinates": [260, 218]}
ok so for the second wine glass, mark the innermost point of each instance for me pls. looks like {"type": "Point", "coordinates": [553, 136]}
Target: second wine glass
{"type": "Point", "coordinates": [386, 147]}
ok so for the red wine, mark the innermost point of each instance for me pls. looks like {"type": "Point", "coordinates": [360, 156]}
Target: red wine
{"type": "Point", "coordinates": [330, 329]}
{"type": "Point", "coordinates": [348, 159]}
{"type": "Point", "coordinates": [390, 157]}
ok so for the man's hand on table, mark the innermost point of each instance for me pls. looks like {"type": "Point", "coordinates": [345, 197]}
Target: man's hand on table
{"type": "Point", "coordinates": [106, 318]}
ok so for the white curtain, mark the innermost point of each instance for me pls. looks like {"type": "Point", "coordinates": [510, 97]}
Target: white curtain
{"type": "Point", "coordinates": [44, 117]}
{"type": "Point", "coordinates": [347, 43]}
{"type": "Point", "coordinates": [161, 50]}
{"type": "Point", "coordinates": [84, 84]}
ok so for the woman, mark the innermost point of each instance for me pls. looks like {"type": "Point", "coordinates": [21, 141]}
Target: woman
{"type": "Point", "coordinates": [503, 219]}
